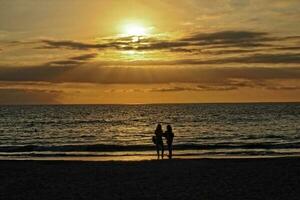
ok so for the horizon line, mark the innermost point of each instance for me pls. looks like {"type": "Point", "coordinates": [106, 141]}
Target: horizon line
{"type": "Point", "coordinates": [75, 104]}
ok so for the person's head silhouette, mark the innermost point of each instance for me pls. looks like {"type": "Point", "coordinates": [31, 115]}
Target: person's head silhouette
{"type": "Point", "coordinates": [158, 127]}
{"type": "Point", "coordinates": [169, 128]}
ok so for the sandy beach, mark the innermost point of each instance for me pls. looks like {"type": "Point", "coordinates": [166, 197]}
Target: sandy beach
{"type": "Point", "coordinates": [268, 178]}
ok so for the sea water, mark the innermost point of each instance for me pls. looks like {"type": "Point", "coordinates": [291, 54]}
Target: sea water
{"type": "Point", "coordinates": [125, 131]}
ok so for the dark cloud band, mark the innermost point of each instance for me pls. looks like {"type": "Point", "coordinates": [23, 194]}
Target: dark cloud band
{"type": "Point", "coordinates": [93, 73]}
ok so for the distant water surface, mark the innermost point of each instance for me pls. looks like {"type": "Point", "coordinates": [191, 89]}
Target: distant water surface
{"type": "Point", "coordinates": [96, 131]}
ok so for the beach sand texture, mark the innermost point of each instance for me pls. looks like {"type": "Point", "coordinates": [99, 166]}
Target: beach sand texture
{"type": "Point", "coordinates": [276, 178]}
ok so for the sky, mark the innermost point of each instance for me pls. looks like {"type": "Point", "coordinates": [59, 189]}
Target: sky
{"type": "Point", "coordinates": [140, 51]}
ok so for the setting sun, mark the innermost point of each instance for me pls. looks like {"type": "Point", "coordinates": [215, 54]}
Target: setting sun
{"type": "Point", "coordinates": [134, 30]}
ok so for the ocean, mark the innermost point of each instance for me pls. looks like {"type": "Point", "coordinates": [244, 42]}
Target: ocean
{"type": "Point", "coordinates": [124, 132]}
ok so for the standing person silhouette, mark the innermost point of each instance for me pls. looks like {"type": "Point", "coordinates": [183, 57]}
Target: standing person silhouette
{"type": "Point", "coordinates": [159, 141]}
{"type": "Point", "coordinates": [169, 136]}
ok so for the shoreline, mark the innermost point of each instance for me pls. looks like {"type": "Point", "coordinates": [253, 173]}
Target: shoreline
{"type": "Point", "coordinates": [198, 159]}
{"type": "Point", "coordinates": [125, 161]}
{"type": "Point", "coordinates": [141, 158]}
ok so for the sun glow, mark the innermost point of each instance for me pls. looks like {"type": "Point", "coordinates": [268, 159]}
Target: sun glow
{"type": "Point", "coordinates": [134, 30]}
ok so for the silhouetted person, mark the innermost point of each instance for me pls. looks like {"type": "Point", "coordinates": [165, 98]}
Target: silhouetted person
{"type": "Point", "coordinates": [159, 141]}
{"type": "Point", "coordinates": [169, 136]}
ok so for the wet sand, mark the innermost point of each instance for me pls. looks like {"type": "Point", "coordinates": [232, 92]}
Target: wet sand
{"type": "Point", "coordinates": [269, 178]}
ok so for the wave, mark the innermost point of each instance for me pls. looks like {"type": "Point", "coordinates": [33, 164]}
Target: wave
{"type": "Point", "coordinates": [144, 154]}
{"type": "Point", "coordinates": [66, 122]}
{"type": "Point", "coordinates": [269, 136]}
{"type": "Point", "coordinates": [117, 148]}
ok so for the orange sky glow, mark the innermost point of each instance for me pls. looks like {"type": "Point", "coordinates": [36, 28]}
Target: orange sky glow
{"type": "Point", "coordinates": [138, 51]}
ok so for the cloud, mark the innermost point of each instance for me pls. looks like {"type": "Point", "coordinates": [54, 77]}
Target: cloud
{"type": "Point", "coordinates": [121, 43]}
{"type": "Point", "coordinates": [216, 87]}
{"type": "Point", "coordinates": [230, 51]}
{"type": "Point", "coordinates": [228, 37]}
{"type": "Point", "coordinates": [44, 72]}
{"type": "Point", "coordinates": [72, 61]}
{"type": "Point", "coordinates": [268, 58]}
{"type": "Point", "coordinates": [258, 58]}
{"type": "Point", "coordinates": [68, 44]}
{"type": "Point", "coordinates": [296, 37]}
{"type": "Point", "coordinates": [196, 88]}
{"type": "Point", "coordinates": [262, 58]}
{"type": "Point", "coordinates": [283, 87]}
{"type": "Point", "coordinates": [244, 44]}
{"type": "Point", "coordinates": [95, 73]}
{"type": "Point", "coordinates": [85, 57]}
{"type": "Point", "coordinates": [28, 96]}
{"type": "Point", "coordinates": [227, 85]}
{"type": "Point", "coordinates": [157, 46]}
{"type": "Point", "coordinates": [287, 58]}
{"type": "Point", "coordinates": [64, 63]}
{"type": "Point", "coordinates": [172, 89]}
{"type": "Point", "coordinates": [215, 51]}
{"type": "Point", "coordinates": [291, 48]}
{"type": "Point", "coordinates": [184, 50]}
{"type": "Point", "coordinates": [223, 85]}
{"type": "Point", "coordinates": [245, 41]}
{"type": "Point", "coordinates": [248, 57]}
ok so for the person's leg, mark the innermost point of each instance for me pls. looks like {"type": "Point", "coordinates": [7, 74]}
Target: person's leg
{"type": "Point", "coordinates": [157, 150]}
{"type": "Point", "coordinates": [162, 151]}
{"type": "Point", "coordinates": [170, 151]}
